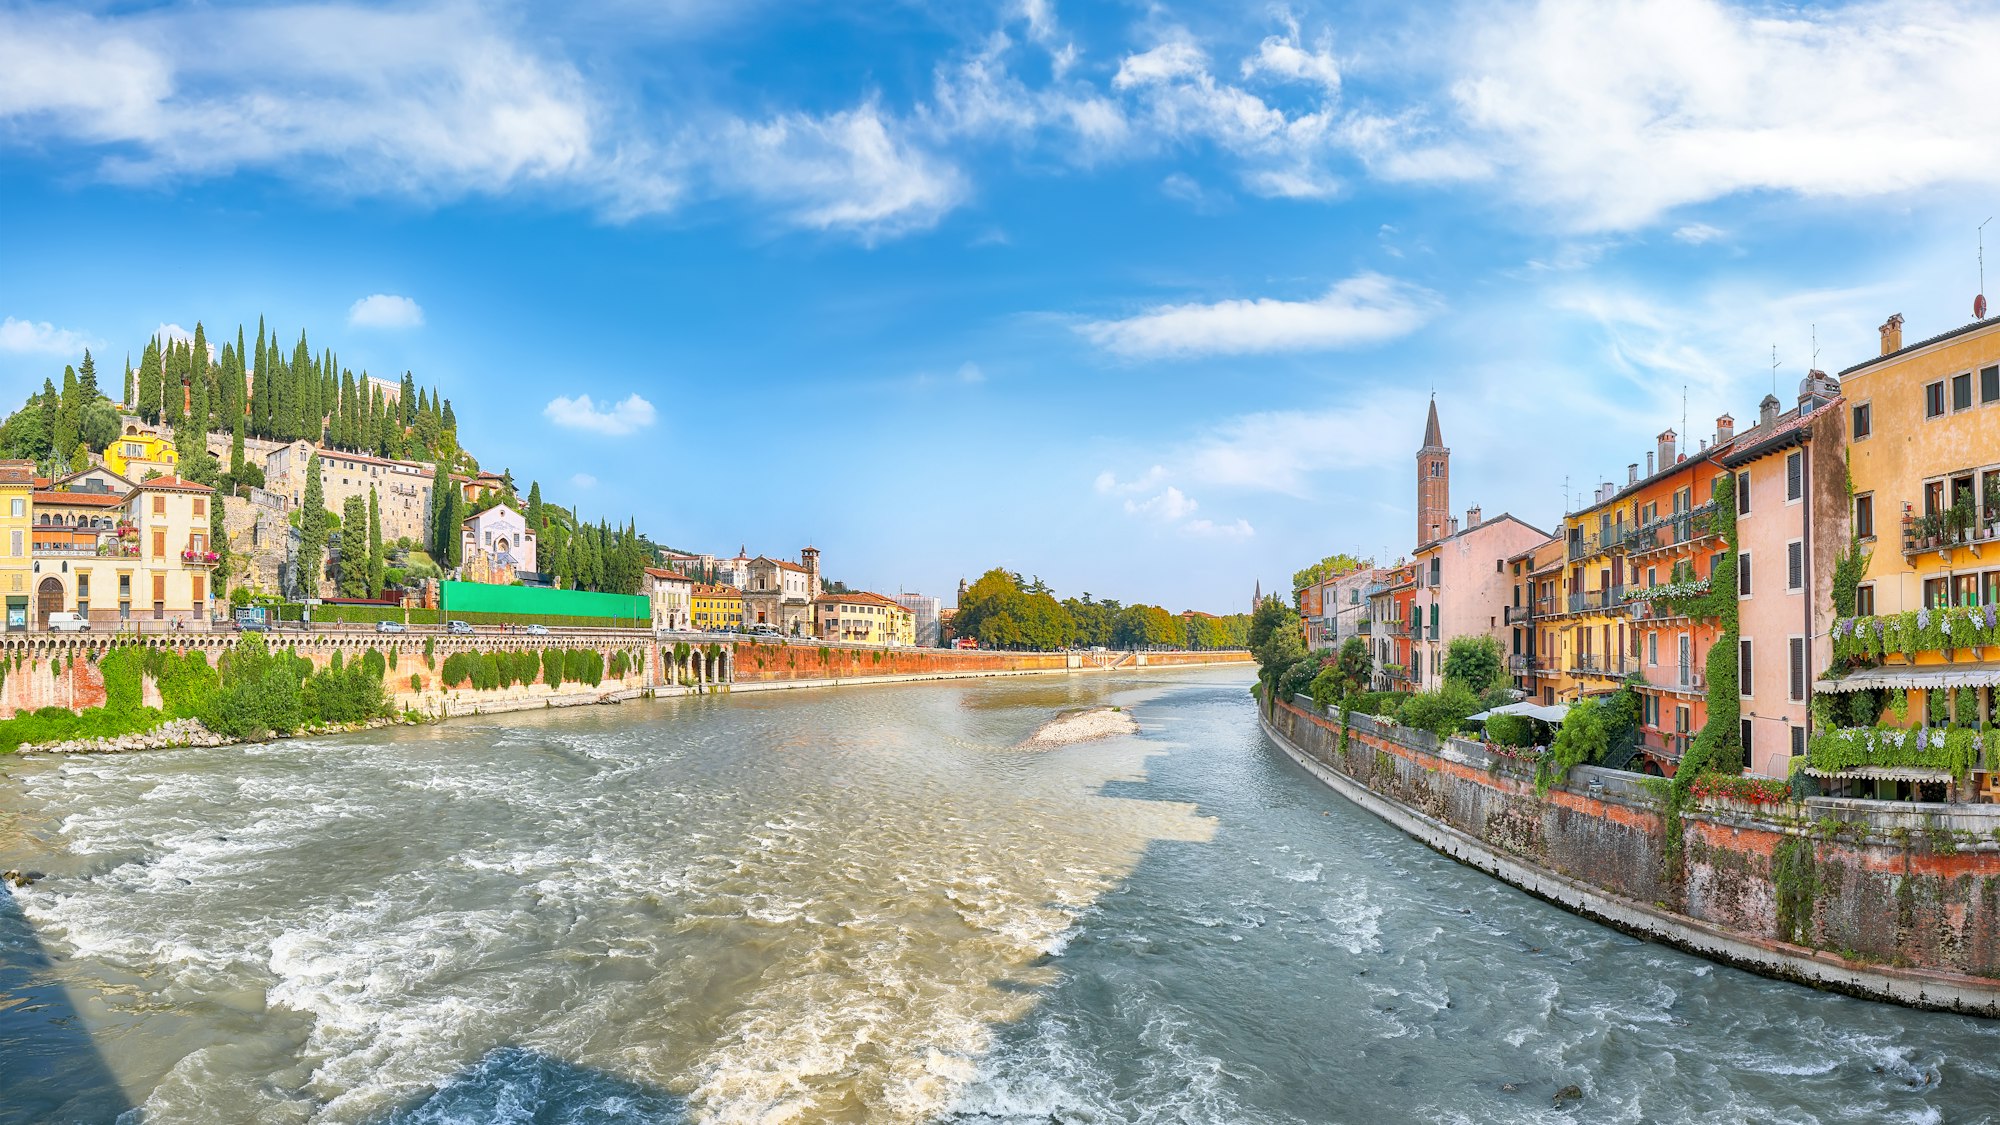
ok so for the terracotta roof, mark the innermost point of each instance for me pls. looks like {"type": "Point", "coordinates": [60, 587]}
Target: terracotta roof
{"type": "Point", "coordinates": [79, 499]}
{"type": "Point", "coordinates": [780, 564]}
{"type": "Point", "coordinates": [1759, 440]}
{"type": "Point", "coordinates": [1907, 348]}
{"type": "Point", "coordinates": [368, 459]}
{"type": "Point", "coordinates": [669, 575]}
{"type": "Point", "coordinates": [172, 484]}
{"type": "Point", "coordinates": [719, 590]}
{"type": "Point", "coordinates": [862, 597]}
{"type": "Point", "coordinates": [68, 477]}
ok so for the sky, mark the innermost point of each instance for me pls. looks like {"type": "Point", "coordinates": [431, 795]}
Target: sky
{"type": "Point", "coordinates": [1145, 299]}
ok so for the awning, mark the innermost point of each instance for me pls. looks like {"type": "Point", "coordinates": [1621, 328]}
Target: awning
{"type": "Point", "coordinates": [1547, 714]}
{"type": "Point", "coordinates": [1920, 678]}
{"type": "Point", "coordinates": [1884, 773]}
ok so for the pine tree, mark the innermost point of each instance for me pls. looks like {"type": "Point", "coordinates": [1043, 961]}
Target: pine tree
{"type": "Point", "coordinates": [312, 532]}
{"type": "Point", "coordinates": [86, 378]}
{"type": "Point", "coordinates": [375, 558]}
{"type": "Point", "coordinates": [149, 383]}
{"type": "Point", "coordinates": [450, 421]}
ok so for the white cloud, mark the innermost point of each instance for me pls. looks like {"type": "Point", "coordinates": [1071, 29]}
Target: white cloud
{"type": "Point", "coordinates": [1284, 57]}
{"type": "Point", "coordinates": [1851, 101]}
{"type": "Point", "coordinates": [969, 372]}
{"type": "Point", "coordinates": [1107, 482]}
{"type": "Point", "coordinates": [385, 310]}
{"type": "Point", "coordinates": [847, 170]}
{"type": "Point", "coordinates": [1365, 309]}
{"type": "Point", "coordinates": [1239, 529]}
{"type": "Point", "coordinates": [173, 332]}
{"type": "Point", "coordinates": [1695, 234]}
{"type": "Point", "coordinates": [616, 420]}
{"type": "Point", "coordinates": [1171, 505]}
{"type": "Point", "coordinates": [582, 481]}
{"type": "Point", "coordinates": [1174, 59]}
{"type": "Point", "coordinates": [39, 336]}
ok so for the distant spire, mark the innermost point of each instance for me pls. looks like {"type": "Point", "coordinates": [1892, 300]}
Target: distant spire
{"type": "Point", "coordinates": [1433, 438]}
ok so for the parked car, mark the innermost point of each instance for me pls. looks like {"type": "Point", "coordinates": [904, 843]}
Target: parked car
{"type": "Point", "coordinates": [457, 627]}
{"type": "Point", "coordinates": [764, 630]}
{"type": "Point", "coordinates": [390, 627]}
{"type": "Point", "coordinates": [68, 623]}
{"type": "Point", "coordinates": [537, 629]}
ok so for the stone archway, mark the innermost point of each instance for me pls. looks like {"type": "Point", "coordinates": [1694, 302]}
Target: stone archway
{"type": "Point", "coordinates": [48, 600]}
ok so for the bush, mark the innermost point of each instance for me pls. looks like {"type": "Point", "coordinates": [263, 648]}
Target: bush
{"type": "Point", "coordinates": [1442, 712]}
{"type": "Point", "coordinates": [1584, 736]}
{"type": "Point", "coordinates": [1511, 730]}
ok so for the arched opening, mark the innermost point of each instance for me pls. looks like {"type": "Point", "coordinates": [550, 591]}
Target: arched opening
{"type": "Point", "coordinates": [48, 600]}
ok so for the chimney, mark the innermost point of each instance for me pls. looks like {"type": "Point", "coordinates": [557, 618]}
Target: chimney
{"type": "Point", "coordinates": [1472, 516]}
{"type": "Point", "coordinates": [1767, 410]}
{"type": "Point", "coordinates": [1632, 473]}
{"type": "Point", "coordinates": [1668, 443]}
{"type": "Point", "coordinates": [1725, 429]}
{"type": "Point", "coordinates": [1892, 334]}
{"type": "Point", "coordinates": [1649, 463]}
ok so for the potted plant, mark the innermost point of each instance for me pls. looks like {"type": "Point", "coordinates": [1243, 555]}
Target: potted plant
{"type": "Point", "coordinates": [1962, 518]}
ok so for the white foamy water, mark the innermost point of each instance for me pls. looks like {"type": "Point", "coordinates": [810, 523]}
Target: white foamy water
{"type": "Point", "coordinates": [855, 906]}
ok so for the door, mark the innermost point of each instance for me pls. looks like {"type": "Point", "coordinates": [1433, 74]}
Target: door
{"type": "Point", "coordinates": [48, 600]}
{"type": "Point", "coordinates": [1685, 660]}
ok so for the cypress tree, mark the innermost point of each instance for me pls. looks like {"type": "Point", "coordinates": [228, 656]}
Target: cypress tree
{"type": "Point", "coordinates": [218, 541]}
{"type": "Point", "coordinates": [197, 377]}
{"type": "Point", "coordinates": [173, 386]}
{"type": "Point", "coordinates": [69, 414]}
{"type": "Point", "coordinates": [127, 400]}
{"type": "Point", "coordinates": [354, 560]}
{"type": "Point", "coordinates": [374, 543]}
{"type": "Point", "coordinates": [441, 490]}
{"type": "Point", "coordinates": [79, 458]}
{"type": "Point", "coordinates": [46, 448]}
{"type": "Point", "coordinates": [149, 383]}
{"type": "Point", "coordinates": [537, 519]}
{"type": "Point", "coordinates": [450, 420]}
{"type": "Point", "coordinates": [86, 378]}
{"type": "Point", "coordinates": [240, 392]}
{"type": "Point", "coordinates": [406, 402]}
{"type": "Point", "coordinates": [236, 450]}
{"type": "Point", "coordinates": [312, 532]}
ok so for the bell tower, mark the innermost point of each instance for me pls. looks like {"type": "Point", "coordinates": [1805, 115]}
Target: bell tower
{"type": "Point", "coordinates": [1433, 483]}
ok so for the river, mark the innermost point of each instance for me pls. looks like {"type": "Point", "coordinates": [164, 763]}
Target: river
{"type": "Point", "coordinates": [859, 905]}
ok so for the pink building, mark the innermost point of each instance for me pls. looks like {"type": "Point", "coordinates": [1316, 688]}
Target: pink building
{"type": "Point", "coordinates": [1464, 588]}
{"type": "Point", "coordinates": [1791, 523]}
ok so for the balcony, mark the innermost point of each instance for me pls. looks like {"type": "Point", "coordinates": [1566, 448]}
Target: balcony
{"type": "Point", "coordinates": [1596, 601]}
{"type": "Point", "coordinates": [1364, 627]}
{"type": "Point", "coordinates": [1690, 526]}
{"type": "Point", "coordinates": [1685, 681]}
{"type": "Point", "coordinates": [1548, 607]}
{"type": "Point", "coordinates": [200, 558]}
{"type": "Point", "coordinates": [1582, 547]}
{"type": "Point", "coordinates": [1593, 664]}
{"type": "Point", "coordinates": [1942, 531]}
{"type": "Point", "coordinates": [1517, 615]}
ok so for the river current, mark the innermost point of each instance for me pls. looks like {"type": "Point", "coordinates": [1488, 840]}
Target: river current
{"type": "Point", "coordinates": [859, 905]}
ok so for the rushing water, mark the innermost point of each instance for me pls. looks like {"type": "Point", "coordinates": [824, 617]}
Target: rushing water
{"type": "Point", "coordinates": [860, 905]}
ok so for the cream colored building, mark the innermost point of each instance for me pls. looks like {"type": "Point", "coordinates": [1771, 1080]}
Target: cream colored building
{"type": "Point", "coordinates": [672, 596]}
{"type": "Point", "coordinates": [151, 568]}
{"type": "Point", "coordinates": [403, 487]}
{"type": "Point", "coordinates": [863, 618]}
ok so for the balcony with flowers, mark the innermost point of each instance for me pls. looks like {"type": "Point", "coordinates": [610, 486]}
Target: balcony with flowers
{"type": "Point", "coordinates": [200, 558]}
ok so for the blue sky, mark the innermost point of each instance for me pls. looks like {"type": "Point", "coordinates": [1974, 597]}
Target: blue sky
{"type": "Point", "coordinates": [1143, 298]}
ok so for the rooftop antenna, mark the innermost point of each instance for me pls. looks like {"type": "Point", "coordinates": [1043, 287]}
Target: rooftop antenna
{"type": "Point", "coordinates": [1815, 342]}
{"type": "Point", "coordinates": [1684, 414]}
{"type": "Point", "coordinates": [1979, 299]}
{"type": "Point", "coordinates": [1774, 371]}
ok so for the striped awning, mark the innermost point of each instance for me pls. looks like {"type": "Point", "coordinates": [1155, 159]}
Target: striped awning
{"type": "Point", "coordinates": [1923, 678]}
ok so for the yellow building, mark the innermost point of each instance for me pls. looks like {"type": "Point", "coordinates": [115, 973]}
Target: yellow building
{"type": "Point", "coordinates": [17, 514]}
{"type": "Point", "coordinates": [863, 618]}
{"type": "Point", "coordinates": [1923, 454]}
{"type": "Point", "coordinates": [1588, 632]}
{"type": "Point", "coordinates": [718, 608]}
{"type": "Point", "coordinates": [135, 454]}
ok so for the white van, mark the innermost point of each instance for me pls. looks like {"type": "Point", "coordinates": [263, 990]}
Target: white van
{"type": "Point", "coordinates": [68, 623]}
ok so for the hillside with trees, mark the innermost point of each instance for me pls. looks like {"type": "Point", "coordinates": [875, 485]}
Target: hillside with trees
{"type": "Point", "coordinates": [1002, 610]}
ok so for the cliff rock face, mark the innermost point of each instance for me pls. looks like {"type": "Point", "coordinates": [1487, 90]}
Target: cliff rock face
{"type": "Point", "coordinates": [254, 523]}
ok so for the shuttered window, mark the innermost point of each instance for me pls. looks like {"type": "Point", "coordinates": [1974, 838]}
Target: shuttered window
{"type": "Point", "coordinates": [1743, 575]}
{"type": "Point", "coordinates": [1795, 566]}
{"type": "Point", "coordinates": [1798, 670]}
{"type": "Point", "coordinates": [1743, 493]}
{"type": "Point", "coordinates": [1798, 742]}
{"type": "Point", "coordinates": [1795, 476]}
{"type": "Point", "coordinates": [1743, 668]}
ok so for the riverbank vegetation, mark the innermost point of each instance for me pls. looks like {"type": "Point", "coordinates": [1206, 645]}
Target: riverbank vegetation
{"type": "Point", "coordinates": [1002, 610]}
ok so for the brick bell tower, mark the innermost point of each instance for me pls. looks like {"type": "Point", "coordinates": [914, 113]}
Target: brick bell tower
{"type": "Point", "coordinates": [1433, 483]}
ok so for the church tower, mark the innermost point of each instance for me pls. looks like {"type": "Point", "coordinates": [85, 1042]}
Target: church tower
{"type": "Point", "coordinates": [1433, 483]}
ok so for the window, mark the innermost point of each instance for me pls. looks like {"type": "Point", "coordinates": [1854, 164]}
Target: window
{"type": "Point", "coordinates": [1745, 728]}
{"type": "Point", "coordinates": [1795, 476]}
{"type": "Point", "coordinates": [159, 504]}
{"type": "Point", "coordinates": [1864, 421]}
{"type": "Point", "coordinates": [1961, 391]}
{"type": "Point", "coordinates": [1416, 665]}
{"type": "Point", "coordinates": [1795, 566]}
{"type": "Point", "coordinates": [1796, 684]}
{"type": "Point", "coordinates": [1864, 600]}
{"type": "Point", "coordinates": [19, 509]}
{"type": "Point", "coordinates": [1743, 493]}
{"type": "Point", "coordinates": [1934, 400]}
{"type": "Point", "coordinates": [1864, 516]}
{"type": "Point", "coordinates": [1743, 575]}
{"type": "Point", "coordinates": [200, 506]}
{"type": "Point", "coordinates": [159, 544]}
{"type": "Point", "coordinates": [1798, 742]}
{"type": "Point", "coordinates": [1744, 666]}
{"type": "Point", "coordinates": [196, 597]}
{"type": "Point", "coordinates": [14, 544]}
{"type": "Point", "coordinates": [1652, 648]}
{"type": "Point", "coordinates": [82, 585]}
{"type": "Point", "coordinates": [1989, 384]}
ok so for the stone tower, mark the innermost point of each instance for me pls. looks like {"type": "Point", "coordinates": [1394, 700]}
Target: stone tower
{"type": "Point", "coordinates": [1433, 483]}
{"type": "Point", "coordinates": [810, 557]}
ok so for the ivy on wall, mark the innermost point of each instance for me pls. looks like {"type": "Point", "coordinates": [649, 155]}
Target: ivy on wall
{"type": "Point", "coordinates": [1719, 746]}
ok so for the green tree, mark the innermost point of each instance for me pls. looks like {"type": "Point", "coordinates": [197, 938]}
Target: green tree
{"type": "Point", "coordinates": [79, 458]}
{"type": "Point", "coordinates": [312, 532]}
{"type": "Point", "coordinates": [149, 382]}
{"type": "Point", "coordinates": [1475, 662]}
{"type": "Point", "coordinates": [69, 413]}
{"type": "Point", "coordinates": [1332, 566]}
{"type": "Point", "coordinates": [354, 556]}
{"type": "Point", "coordinates": [100, 425]}
{"type": "Point", "coordinates": [375, 557]}
{"type": "Point", "coordinates": [131, 386]}
{"type": "Point", "coordinates": [86, 378]}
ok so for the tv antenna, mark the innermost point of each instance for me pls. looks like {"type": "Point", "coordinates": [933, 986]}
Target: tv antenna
{"type": "Point", "coordinates": [1979, 299]}
{"type": "Point", "coordinates": [1774, 370]}
{"type": "Point", "coordinates": [1815, 344]}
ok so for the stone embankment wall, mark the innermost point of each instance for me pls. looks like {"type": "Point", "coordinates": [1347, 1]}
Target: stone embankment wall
{"type": "Point", "coordinates": [764, 664]}
{"type": "Point", "coordinates": [1888, 900]}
